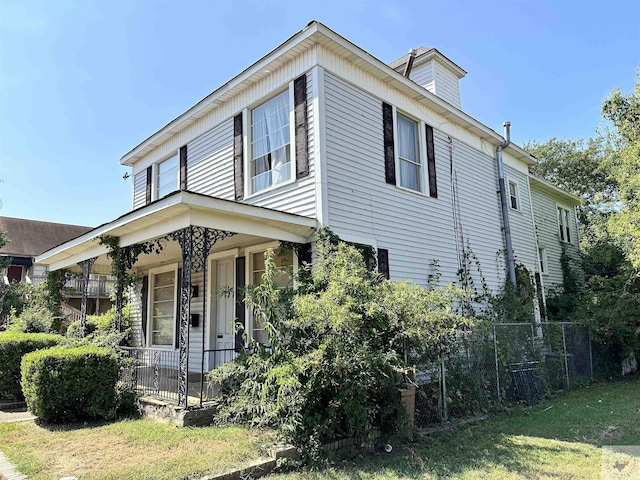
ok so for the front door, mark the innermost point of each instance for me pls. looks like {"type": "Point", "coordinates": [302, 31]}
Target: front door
{"type": "Point", "coordinates": [224, 336]}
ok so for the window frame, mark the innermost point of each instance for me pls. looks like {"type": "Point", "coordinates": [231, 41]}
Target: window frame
{"type": "Point", "coordinates": [249, 252]}
{"type": "Point", "coordinates": [247, 120]}
{"type": "Point", "coordinates": [542, 258]}
{"type": "Point", "coordinates": [156, 176]}
{"type": "Point", "coordinates": [150, 300]}
{"type": "Point", "coordinates": [423, 174]}
{"type": "Point", "coordinates": [563, 216]}
{"type": "Point", "coordinates": [515, 196]}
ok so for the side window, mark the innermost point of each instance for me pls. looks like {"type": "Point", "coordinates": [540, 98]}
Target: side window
{"type": "Point", "coordinates": [542, 254]}
{"type": "Point", "coordinates": [270, 161]}
{"type": "Point", "coordinates": [514, 201]}
{"type": "Point", "coordinates": [409, 164]}
{"type": "Point", "coordinates": [564, 224]}
{"type": "Point", "coordinates": [163, 307]}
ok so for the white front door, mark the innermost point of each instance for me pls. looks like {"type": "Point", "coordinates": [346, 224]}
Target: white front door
{"type": "Point", "coordinates": [224, 336]}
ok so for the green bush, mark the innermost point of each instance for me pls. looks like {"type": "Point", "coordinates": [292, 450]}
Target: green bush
{"type": "Point", "coordinates": [33, 319]}
{"type": "Point", "coordinates": [74, 331]}
{"type": "Point", "coordinates": [70, 384]}
{"type": "Point", "coordinates": [13, 345]}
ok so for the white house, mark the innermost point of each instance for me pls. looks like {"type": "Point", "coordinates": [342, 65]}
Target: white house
{"type": "Point", "coordinates": [320, 133]}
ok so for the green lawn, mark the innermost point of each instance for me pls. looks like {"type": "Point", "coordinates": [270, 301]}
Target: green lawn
{"type": "Point", "coordinates": [136, 449]}
{"type": "Point", "coordinates": [558, 439]}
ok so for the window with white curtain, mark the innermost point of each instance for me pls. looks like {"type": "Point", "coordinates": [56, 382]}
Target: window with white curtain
{"type": "Point", "coordinates": [167, 176]}
{"type": "Point", "coordinates": [409, 164]}
{"type": "Point", "coordinates": [270, 143]}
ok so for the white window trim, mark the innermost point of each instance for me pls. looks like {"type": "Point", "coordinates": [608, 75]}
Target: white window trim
{"type": "Point", "coordinates": [422, 151]}
{"type": "Point", "coordinates": [152, 272]}
{"type": "Point", "coordinates": [249, 252]}
{"type": "Point", "coordinates": [155, 172]}
{"type": "Point", "coordinates": [246, 140]}
{"type": "Point", "coordinates": [543, 261]}
{"type": "Point", "coordinates": [517, 195]}
{"type": "Point", "coordinates": [567, 217]}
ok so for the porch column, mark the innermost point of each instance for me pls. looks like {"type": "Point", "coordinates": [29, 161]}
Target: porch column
{"type": "Point", "coordinates": [86, 266]}
{"type": "Point", "coordinates": [195, 244]}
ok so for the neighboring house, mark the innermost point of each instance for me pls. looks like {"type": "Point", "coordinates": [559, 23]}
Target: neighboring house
{"type": "Point", "coordinates": [30, 238]}
{"type": "Point", "coordinates": [319, 133]}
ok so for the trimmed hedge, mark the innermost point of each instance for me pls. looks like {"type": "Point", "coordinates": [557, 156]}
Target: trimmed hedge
{"type": "Point", "coordinates": [71, 384]}
{"type": "Point", "coordinates": [13, 345]}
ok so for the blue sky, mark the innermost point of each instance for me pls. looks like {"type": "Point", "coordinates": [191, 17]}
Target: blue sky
{"type": "Point", "coordinates": [82, 82]}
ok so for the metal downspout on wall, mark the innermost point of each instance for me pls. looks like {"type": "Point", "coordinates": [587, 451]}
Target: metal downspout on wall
{"type": "Point", "coordinates": [503, 203]}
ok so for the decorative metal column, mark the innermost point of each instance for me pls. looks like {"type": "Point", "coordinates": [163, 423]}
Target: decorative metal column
{"type": "Point", "coordinates": [195, 244]}
{"type": "Point", "coordinates": [86, 266]}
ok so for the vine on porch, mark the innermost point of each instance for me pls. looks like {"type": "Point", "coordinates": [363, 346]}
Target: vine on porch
{"type": "Point", "coordinates": [122, 260]}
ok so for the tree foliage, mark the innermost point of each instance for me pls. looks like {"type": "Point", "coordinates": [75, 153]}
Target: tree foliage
{"type": "Point", "coordinates": [337, 349]}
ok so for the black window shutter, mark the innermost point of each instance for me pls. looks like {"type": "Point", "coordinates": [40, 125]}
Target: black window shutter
{"type": "Point", "coordinates": [240, 284]}
{"type": "Point", "coordinates": [431, 163]}
{"type": "Point", "coordinates": [389, 154]}
{"type": "Point", "coordinates": [301, 126]}
{"type": "Point", "coordinates": [383, 262]}
{"type": "Point", "coordinates": [144, 299]}
{"type": "Point", "coordinates": [183, 167]}
{"type": "Point", "coordinates": [176, 342]}
{"type": "Point", "coordinates": [147, 199]}
{"type": "Point", "coordinates": [238, 157]}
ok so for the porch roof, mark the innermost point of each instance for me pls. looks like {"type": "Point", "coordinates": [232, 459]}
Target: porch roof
{"type": "Point", "coordinates": [174, 212]}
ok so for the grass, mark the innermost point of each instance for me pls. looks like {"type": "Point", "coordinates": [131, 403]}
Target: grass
{"type": "Point", "coordinates": [131, 449]}
{"type": "Point", "coordinates": [558, 439]}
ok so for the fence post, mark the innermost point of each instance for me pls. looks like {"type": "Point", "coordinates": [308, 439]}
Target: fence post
{"type": "Point", "coordinates": [564, 351]}
{"type": "Point", "coordinates": [443, 383]}
{"type": "Point", "coordinates": [495, 351]}
{"type": "Point", "coordinates": [590, 354]}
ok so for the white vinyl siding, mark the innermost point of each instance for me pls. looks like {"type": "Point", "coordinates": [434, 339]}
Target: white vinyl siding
{"type": "Point", "coordinates": [545, 213]}
{"type": "Point", "coordinates": [523, 233]}
{"type": "Point", "coordinates": [210, 169]}
{"type": "Point", "coordinates": [139, 189]}
{"type": "Point", "coordinates": [210, 162]}
{"type": "Point", "coordinates": [447, 85]}
{"type": "Point", "coordinates": [167, 176]}
{"type": "Point", "coordinates": [416, 229]}
{"type": "Point", "coordinates": [422, 74]}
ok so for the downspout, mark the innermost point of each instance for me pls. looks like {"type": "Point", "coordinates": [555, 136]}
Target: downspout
{"type": "Point", "coordinates": [409, 64]}
{"type": "Point", "coordinates": [511, 267]}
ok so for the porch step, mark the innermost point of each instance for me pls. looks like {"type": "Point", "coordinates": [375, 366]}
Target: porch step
{"type": "Point", "coordinates": [163, 411]}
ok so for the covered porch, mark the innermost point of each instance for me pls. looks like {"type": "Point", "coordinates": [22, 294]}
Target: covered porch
{"type": "Point", "coordinates": [191, 256]}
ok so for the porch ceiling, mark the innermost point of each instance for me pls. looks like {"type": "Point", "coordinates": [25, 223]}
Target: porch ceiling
{"type": "Point", "coordinates": [173, 212]}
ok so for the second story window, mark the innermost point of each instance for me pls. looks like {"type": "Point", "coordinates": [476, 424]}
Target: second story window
{"type": "Point", "coordinates": [564, 225]}
{"type": "Point", "coordinates": [270, 158]}
{"type": "Point", "coordinates": [409, 153]}
{"type": "Point", "coordinates": [167, 176]}
{"type": "Point", "coordinates": [513, 195]}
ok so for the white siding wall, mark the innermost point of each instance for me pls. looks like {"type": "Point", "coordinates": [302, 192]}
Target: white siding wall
{"type": "Point", "coordinates": [545, 207]}
{"type": "Point", "coordinates": [210, 162]}
{"type": "Point", "coordinates": [415, 228]}
{"type": "Point", "coordinates": [422, 74]}
{"type": "Point", "coordinates": [210, 170]}
{"type": "Point", "coordinates": [139, 189]}
{"type": "Point", "coordinates": [447, 85]}
{"type": "Point", "coordinates": [523, 233]}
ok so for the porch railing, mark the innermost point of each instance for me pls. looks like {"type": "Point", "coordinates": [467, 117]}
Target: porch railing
{"type": "Point", "coordinates": [98, 287]}
{"type": "Point", "coordinates": [154, 372]}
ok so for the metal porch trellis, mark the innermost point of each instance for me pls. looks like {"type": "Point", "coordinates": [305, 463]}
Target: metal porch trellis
{"type": "Point", "coordinates": [195, 244]}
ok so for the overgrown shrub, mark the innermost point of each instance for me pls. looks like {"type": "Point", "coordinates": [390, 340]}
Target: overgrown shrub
{"type": "Point", "coordinates": [336, 353]}
{"type": "Point", "coordinates": [101, 330]}
{"type": "Point", "coordinates": [70, 384]}
{"type": "Point", "coordinates": [13, 346]}
{"type": "Point", "coordinates": [33, 319]}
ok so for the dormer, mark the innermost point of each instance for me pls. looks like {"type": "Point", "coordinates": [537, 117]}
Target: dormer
{"type": "Point", "coordinates": [433, 71]}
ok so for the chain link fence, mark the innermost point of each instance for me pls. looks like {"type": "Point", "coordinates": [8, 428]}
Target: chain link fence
{"type": "Point", "coordinates": [510, 363]}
